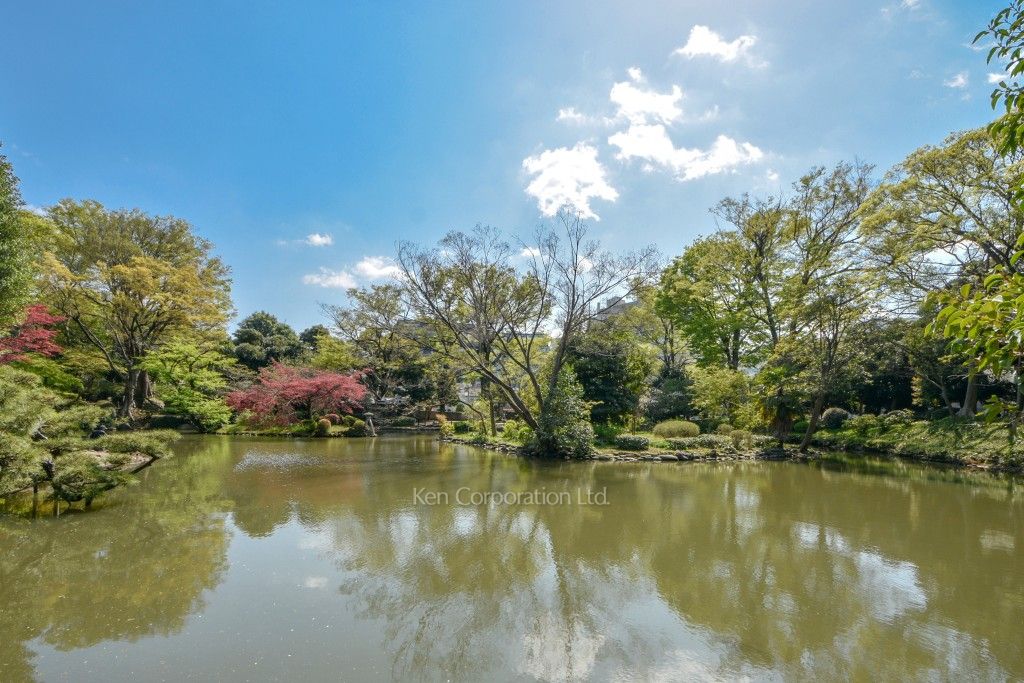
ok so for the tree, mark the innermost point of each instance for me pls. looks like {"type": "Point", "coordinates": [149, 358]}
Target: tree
{"type": "Point", "coordinates": [283, 395]}
{"type": "Point", "coordinates": [378, 325]}
{"type": "Point", "coordinates": [492, 318]}
{"type": "Point", "coordinates": [261, 340]}
{"type": "Point", "coordinates": [127, 281]}
{"type": "Point", "coordinates": [190, 379]}
{"type": "Point", "coordinates": [311, 336]}
{"type": "Point", "coordinates": [1006, 31]}
{"type": "Point", "coordinates": [20, 234]}
{"type": "Point", "coordinates": [34, 335]}
{"type": "Point", "coordinates": [612, 369]}
{"type": "Point", "coordinates": [944, 217]}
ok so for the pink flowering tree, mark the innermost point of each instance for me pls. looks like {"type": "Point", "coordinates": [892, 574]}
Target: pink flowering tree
{"type": "Point", "coordinates": [284, 395]}
{"type": "Point", "coordinates": [35, 334]}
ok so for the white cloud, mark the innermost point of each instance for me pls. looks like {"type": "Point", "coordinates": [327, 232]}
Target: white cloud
{"type": "Point", "coordinates": [529, 252]}
{"type": "Point", "coordinates": [319, 240]}
{"type": "Point", "coordinates": [330, 279]}
{"type": "Point", "coordinates": [705, 42]}
{"type": "Point", "coordinates": [910, 4]}
{"type": "Point", "coordinates": [772, 175]}
{"type": "Point", "coordinates": [378, 268]}
{"type": "Point", "coordinates": [638, 105]}
{"type": "Point", "coordinates": [652, 144]}
{"type": "Point", "coordinates": [995, 78]}
{"type": "Point", "coordinates": [571, 115]}
{"type": "Point", "coordinates": [959, 80]}
{"type": "Point", "coordinates": [568, 177]}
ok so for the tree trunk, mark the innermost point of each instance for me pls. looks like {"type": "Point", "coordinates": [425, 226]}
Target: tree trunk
{"type": "Point", "coordinates": [128, 401]}
{"type": "Point", "coordinates": [819, 402]}
{"type": "Point", "coordinates": [967, 409]}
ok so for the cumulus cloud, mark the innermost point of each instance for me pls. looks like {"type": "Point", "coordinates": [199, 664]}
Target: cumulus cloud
{"type": "Point", "coordinates": [377, 268]}
{"type": "Point", "coordinates": [567, 176]}
{"type": "Point", "coordinates": [703, 42]}
{"type": "Point", "coordinates": [636, 104]}
{"type": "Point", "coordinates": [996, 78]}
{"type": "Point", "coordinates": [911, 4]}
{"type": "Point", "coordinates": [571, 115]}
{"type": "Point", "coordinates": [529, 252]}
{"type": "Point", "coordinates": [319, 240]}
{"type": "Point", "coordinates": [959, 80]}
{"type": "Point", "coordinates": [651, 143]}
{"type": "Point", "coordinates": [330, 279]}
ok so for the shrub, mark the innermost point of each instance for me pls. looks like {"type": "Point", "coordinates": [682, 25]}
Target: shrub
{"type": "Point", "coordinates": [334, 418]}
{"type": "Point", "coordinates": [703, 441]}
{"type": "Point", "coordinates": [605, 432]}
{"type": "Point", "coordinates": [462, 427]}
{"type": "Point", "coordinates": [741, 438]}
{"type": "Point", "coordinates": [862, 424]}
{"type": "Point", "coordinates": [893, 418]}
{"type": "Point", "coordinates": [517, 431]}
{"type": "Point", "coordinates": [676, 428]}
{"type": "Point", "coordinates": [833, 418]}
{"type": "Point", "coordinates": [358, 428]}
{"type": "Point", "coordinates": [323, 427]}
{"type": "Point", "coordinates": [724, 428]}
{"type": "Point", "coordinates": [632, 442]}
{"type": "Point", "coordinates": [348, 420]}
{"type": "Point", "coordinates": [563, 428]}
{"type": "Point", "coordinates": [800, 427]}
{"type": "Point", "coordinates": [404, 421]}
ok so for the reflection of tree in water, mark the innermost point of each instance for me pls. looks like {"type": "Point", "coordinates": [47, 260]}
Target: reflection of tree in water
{"type": "Point", "coordinates": [804, 572]}
{"type": "Point", "coordinates": [134, 569]}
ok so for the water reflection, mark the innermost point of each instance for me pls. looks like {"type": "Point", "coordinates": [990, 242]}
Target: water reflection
{"type": "Point", "coordinates": [767, 570]}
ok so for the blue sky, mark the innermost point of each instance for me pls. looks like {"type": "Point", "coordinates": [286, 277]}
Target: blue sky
{"type": "Point", "coordinates": [305, 139]}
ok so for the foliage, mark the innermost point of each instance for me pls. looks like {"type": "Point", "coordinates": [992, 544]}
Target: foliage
{"type": "Point", "coordinates": [897, 417]}
{"type": "Point", "coordinates": [670, 395]}
{"type": "Point", "coordinates": [724, 428]}
{"type": "Point", "coordinates": [323, 427]}
{"type": "Point", "coordinates": [127, 282]}
{"type": "Point", "coordinates": [709, 441]}
{"type": "Point", "coordinates": [632, 442]}
{"type": "Point", "coordinates": [799, 427]}
{"type": "Point", "coordinates": [676, 428]}
{"type": "Point", "coordinates": [517, 431]}
{"type": "Point", "coordinates": [462, 426]}
{"type": "Point", "coordinates": [261, 340]}
{"type": "Point", "coordinates": [861, 424]}
{"type": "Point", "coordinates": [563, 428]}
{"type": "Point", "coordinates": [356, 427]}
{"type": "Point", "coordinates": [17, 242]}
{"type": "Point", "coordinates": [445, 426]}
{"type": "Point", "coordinates": [283, 395]}
{"type": "Point", "coordinates": [33, 335]}
{"type": "Point", "coordinates": [1006, 31]}
{"type": "Point", "coordinates": [833, 418]}
{"type": "Point", "coordinates": [404, 421]}
{"type": "Point", "coordinates": [606, 432]}
{"type": "Point", "coordinates": [190, 380]}
{"type": "Point", "coordinates": [721, 394]}
{"type": "Point", "coordinates": [613, 370]}
{"type": "Point", "coordinates": [741, 439]}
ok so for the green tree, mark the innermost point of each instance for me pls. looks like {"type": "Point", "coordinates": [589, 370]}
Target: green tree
{"type": "Point", "coordinates": [21, 233]}
{"type": "Point", "coordinates": [190, 380]}
{"type": "Point", "coordinates": [127, 282]}
{"type": "Point", "coordinates": [613, 370]}
{"type": "Point", "coordinates": [261, 339]}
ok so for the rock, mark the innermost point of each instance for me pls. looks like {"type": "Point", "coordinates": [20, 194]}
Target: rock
{"type": "Point", "coordinates": [668, 457]}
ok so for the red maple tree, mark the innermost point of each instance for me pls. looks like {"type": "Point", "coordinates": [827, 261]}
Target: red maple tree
{"type": "Point", "coordinates": [35, 334]}
{"type": "Point", "coordinates": [284, 394]}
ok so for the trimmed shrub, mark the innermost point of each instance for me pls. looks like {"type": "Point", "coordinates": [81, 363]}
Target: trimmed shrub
{"type": "Point", "coordinates": [893, 418]}
{"type": "Point", "coordinates": [632, 442]}
{"type": "Point", "coordinates": [323, 426]}
{"type": "Point", "coordinates": [404, 421]}
{"type": "Point", "coordinates": [446, 428]}
{"type": "Point", "coordinates": [349, 420]}
{"type": "Point", "coordinates": [462, 427]}
{"type": "Point", "coordinates": [517, 431]}
{"type": "Point", "coordinates": [741, 438]}
{"type": "Point", "coordinates": [703, 441]}
{"type": "Point", "coordinates": [724, 428]}
{"type": "Point", "coordinates": [833, 418]}
{"type": "Point", "coordinates": [862, 424]}
{"type": "Point", "coordinates": [800, 427]}
{"type": "Point", "coordinates": [334, 418]}
{"type": "Point", "coordinates": [676, 429]}
{"type": "Point", "coordinates": [358, 428]}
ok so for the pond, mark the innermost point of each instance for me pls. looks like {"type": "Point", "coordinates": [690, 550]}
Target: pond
{"type": "Point", "coordinates": [391, 558]}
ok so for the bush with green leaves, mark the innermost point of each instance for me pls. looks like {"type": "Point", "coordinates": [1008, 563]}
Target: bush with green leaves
{"type": "Point", "coordinates": [605, 432]}
{"type": "Point", "coordinates": [323, 427]}
{"type": "Point", "coordinates": [462, 426]}
{"type": "Point", "coordinates": [724, 428]}
{"type": "Point", "coordinates": [862, 424]}
{"type": "Point", "coordinates": [671, 429]}
{"type": "Point", "coordinates": [357, 428]}
{"type": "Point", "coordinates": [741, 439]}
{"type": "Point", "coordinates": [800, 427]}
{"type": "Point", "coordinates": [563, 428]}
{"type": "Point", "coordinates": [710, 441]}
{"type": "Point", "coordinates": [833, 418]}
{"type": "Point", "coordinates": [516, 431]}
{"type": "Point", "coordinates": [894, 418]}
{"type": "Point", "coordinates": [404, 421]}
{"type": "Point", "coordinates": [632, 442]}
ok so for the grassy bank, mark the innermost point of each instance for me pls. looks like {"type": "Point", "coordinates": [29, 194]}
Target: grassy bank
{"type": "Point", "coordinates": [952, 440]}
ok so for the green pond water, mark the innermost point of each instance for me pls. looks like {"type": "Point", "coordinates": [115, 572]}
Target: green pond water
{"type": "Point", "coordinates": [340, 559]}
